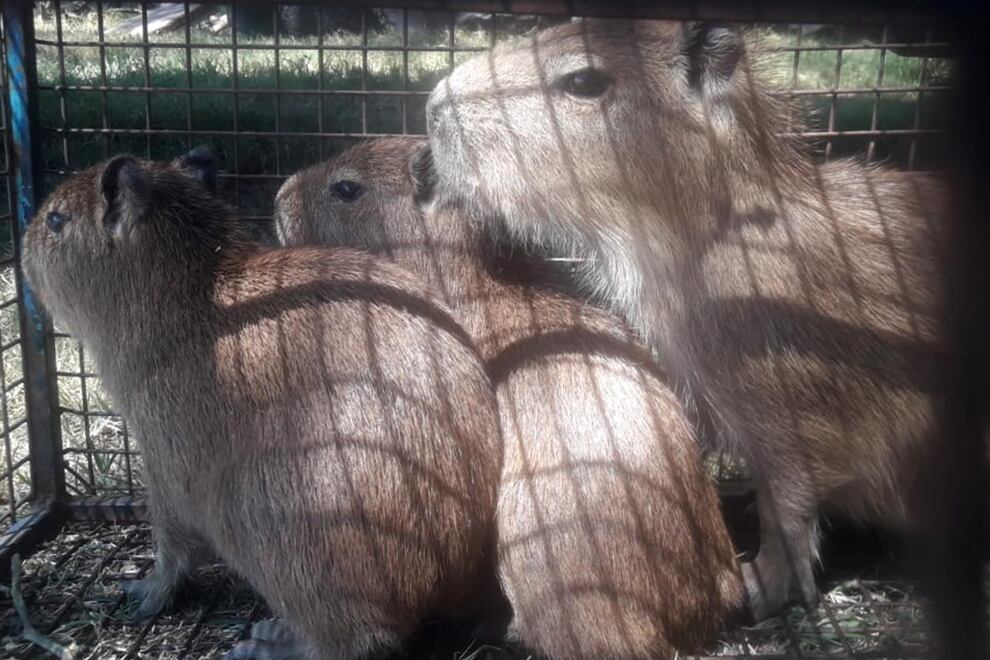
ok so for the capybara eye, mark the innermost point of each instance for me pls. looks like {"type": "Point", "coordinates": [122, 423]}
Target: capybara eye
{"type": "Point", "coordinates": [55, 221]}
{"type": "Point", "coordinates": [347, 191]}
{"type": "Point", "coordinates": [586, 83]}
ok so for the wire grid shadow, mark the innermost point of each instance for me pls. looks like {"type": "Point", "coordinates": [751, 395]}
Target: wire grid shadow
{"type": "Point", "coordinates": [275, 89]}
{"type": "Point", "coordinates": [241, 80]}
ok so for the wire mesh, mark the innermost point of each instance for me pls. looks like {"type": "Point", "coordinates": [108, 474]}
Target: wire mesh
{"type": "Point", "coordinates": [274, 89]}
{"type": "Point", "coordinates": [15, 480]}
{"type": "Point", "coordinates": [867, 91]}
{"type": "Point", "coordinates": [266, 99]}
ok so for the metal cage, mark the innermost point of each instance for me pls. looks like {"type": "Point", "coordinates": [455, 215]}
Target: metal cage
{"type": "Point", "coordinates": [271, 103]}
{"type": "Point", "coordinates": [274, 88]}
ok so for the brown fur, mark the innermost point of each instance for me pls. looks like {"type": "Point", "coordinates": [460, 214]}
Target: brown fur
{"type": "Point", "coordinates": [798, 300]}
{"type": "Point", "coordinates": [311, 415]}
{"type": "Point", "coordinates": [611, 544]}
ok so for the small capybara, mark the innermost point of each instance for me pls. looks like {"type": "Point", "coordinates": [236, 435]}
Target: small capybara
{"type": "Point", "coordinates": [610, 539]}
{"type": "Point", "coordinates": [312, 416]}
{"type": "Point", "coordinates": [798, 301]}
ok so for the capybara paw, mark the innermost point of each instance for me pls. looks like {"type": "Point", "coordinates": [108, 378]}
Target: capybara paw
{"type": "Point", "coordinates": [270, 639]}
{"type": "Point", "coordinates": [272, 630]}
{"type": "Point", "coordinates": [153, 597]}
{"type": "Point", "coordinates": [257, 649]}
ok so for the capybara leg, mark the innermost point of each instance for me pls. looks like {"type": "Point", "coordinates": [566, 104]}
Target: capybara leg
{"type": "Point", "coordinates": [782, 572]}
{"type": "Point", "coordinates": [176, 557]}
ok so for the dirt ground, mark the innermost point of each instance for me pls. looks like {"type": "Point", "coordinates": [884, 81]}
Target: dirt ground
{"type": "Point", "coordinates": [70, 586]}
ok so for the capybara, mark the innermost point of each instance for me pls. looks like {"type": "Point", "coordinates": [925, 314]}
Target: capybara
{"type": "Point", "coordinates": [312, 416]}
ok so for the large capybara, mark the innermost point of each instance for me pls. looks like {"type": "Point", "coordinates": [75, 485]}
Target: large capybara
{"type": "Point", "coordinates": [610, 539]}
{"type": "Point", "coordinates": [798, 301]}
{"type": "Point", "coordinates": [311, 415]}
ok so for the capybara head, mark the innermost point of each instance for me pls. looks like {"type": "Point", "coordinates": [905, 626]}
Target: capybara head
{"type": "Point", "coordinates": [573, 133]}
{"type": "Point", "coordinates": [340, 202]}
{"type": "Point", "coordinates": [100, 234]}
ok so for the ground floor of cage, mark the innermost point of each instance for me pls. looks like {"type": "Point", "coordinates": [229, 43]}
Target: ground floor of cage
{"type": "Point", "coordinates": [70, 589]}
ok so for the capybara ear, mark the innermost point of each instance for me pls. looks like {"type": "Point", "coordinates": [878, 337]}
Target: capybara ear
{"type": "Point", "coordinates": [712, 53]}
{"type": "Point", "coordinates": [201, 166]}
{"type": "Point", "coordinates": [126, 195]}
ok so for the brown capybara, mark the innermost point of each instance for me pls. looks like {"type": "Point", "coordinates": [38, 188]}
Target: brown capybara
{"type": "Point", "coordinates": [798, 301]}
{"type": "Point", "coordinates": [310, 415]}
{"type": "Point", "coordinates": [610, 539]}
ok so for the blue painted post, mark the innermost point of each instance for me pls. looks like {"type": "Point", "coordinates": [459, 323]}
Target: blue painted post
{"type": "Point", "coordinates": [47, 471]}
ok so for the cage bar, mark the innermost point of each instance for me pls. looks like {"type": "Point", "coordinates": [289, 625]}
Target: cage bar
{"type": "Point", "coordinates": [45, 447]}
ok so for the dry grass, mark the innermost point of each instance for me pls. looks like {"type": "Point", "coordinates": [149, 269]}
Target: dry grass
{"type": "Point", "coordinates": [71, 587]}
{"type": "Point", "coordinates": [856, 617]}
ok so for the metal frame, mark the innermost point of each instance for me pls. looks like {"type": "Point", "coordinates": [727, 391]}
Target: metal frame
{"type": "Point", "coordinates": [47, 476]}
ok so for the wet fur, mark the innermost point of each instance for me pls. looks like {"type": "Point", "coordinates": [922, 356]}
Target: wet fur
{"type": "Point", "coordinates": [611, 543]}
{"type": "Point", "coordinates": [312, 416]}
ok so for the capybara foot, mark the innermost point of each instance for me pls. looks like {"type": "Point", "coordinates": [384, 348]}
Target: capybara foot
{"type": "Point", "coordinates": [153, 594]}
{"type": "Point", "coordinates": [257, 649]}
{"type": "Point", "coordinates": [770, 589]}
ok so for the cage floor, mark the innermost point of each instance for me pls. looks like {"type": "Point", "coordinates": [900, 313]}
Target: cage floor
{"type": "Point", "coordinates": [70, 585]}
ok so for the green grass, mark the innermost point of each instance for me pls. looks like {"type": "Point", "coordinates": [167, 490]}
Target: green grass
{"type": "Point", "coordinates": [860, 70]}
{"type": "Point", "coordinates": [267, 103]}
{"type": "Point", "coordinates": [258, 108]}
